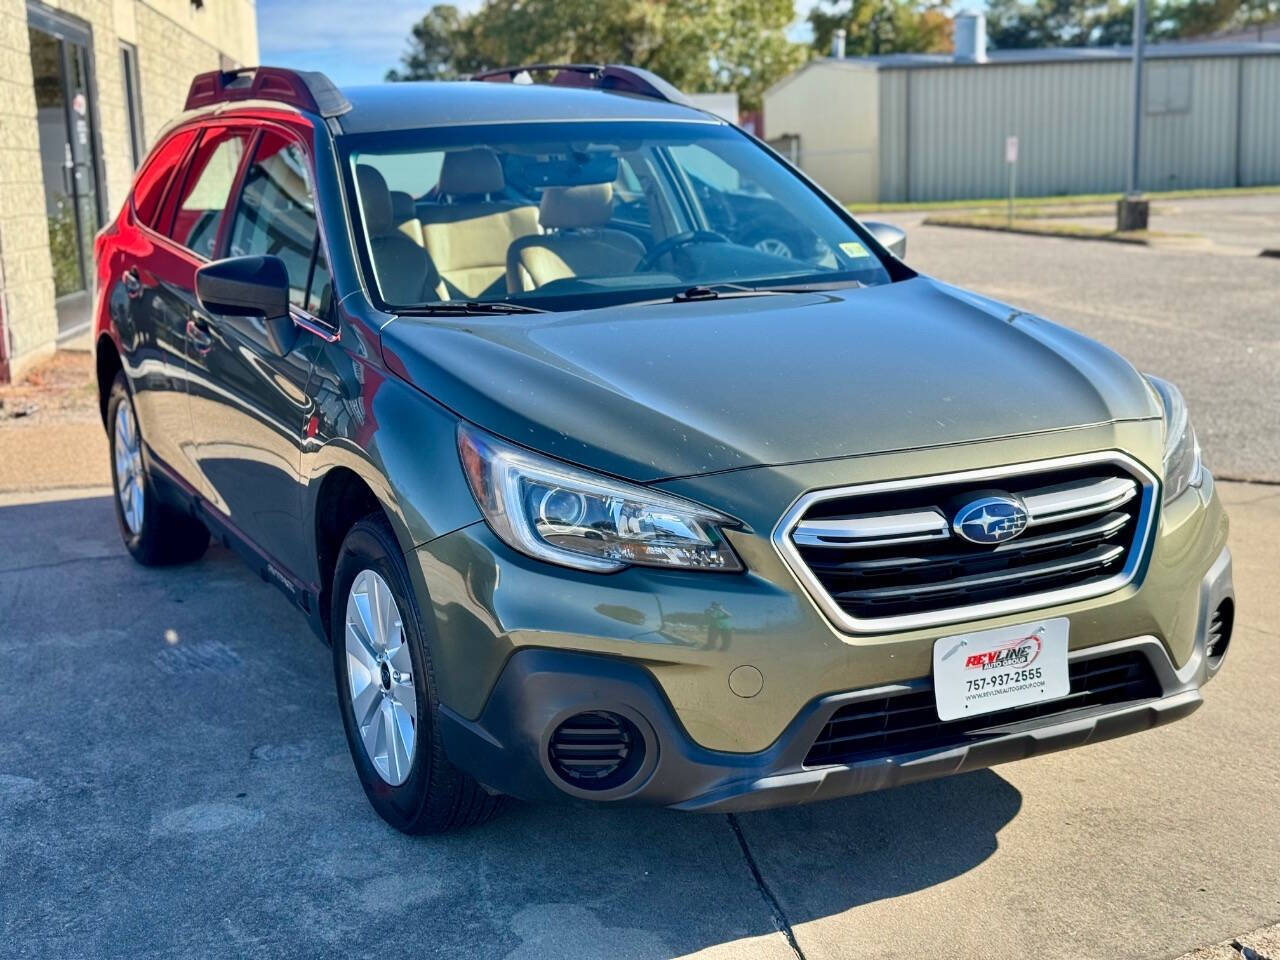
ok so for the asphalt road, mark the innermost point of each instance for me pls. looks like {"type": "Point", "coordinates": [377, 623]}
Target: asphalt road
{"type": "Point", "coordinates": [1209, 322]}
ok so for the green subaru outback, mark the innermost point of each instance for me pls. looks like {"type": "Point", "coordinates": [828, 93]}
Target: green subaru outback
{"type": "Point", "coordinates": [617, 462]}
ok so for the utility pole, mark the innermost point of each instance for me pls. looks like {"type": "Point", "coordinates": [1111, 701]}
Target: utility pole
{"type": "Point", "coordinates": [1132, 210]}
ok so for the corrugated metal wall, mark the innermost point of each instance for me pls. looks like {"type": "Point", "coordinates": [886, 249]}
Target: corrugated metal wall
{"type": "Point", "coordinates": [943, 130]}
{"type": "Point", "coordinates": [1260, 133]}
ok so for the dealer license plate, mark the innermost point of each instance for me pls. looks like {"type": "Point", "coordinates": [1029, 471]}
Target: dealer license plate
{"type": "Point", "coordinates": [977, 673]}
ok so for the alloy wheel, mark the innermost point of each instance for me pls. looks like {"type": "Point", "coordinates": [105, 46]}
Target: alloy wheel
{"type": "Point", "coordinates": [380, 677]}
{"type": "Point", "coordinates": [129, 479]}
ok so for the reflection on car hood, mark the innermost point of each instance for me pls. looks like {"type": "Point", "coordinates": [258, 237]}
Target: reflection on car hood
{"type": "Point", "coordinates": [667, 390]}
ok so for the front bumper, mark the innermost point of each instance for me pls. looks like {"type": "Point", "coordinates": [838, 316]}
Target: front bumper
{"type": "Point", "coordinates": [507, 746]}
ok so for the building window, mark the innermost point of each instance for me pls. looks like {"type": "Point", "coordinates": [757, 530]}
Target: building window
{"type": "Point", "coordinates": [1168, 88]}
{"type": "Point", "coordinates": [133, 101]}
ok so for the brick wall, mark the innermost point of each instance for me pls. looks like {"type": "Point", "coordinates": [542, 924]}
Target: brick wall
{"type": "Point", "coordinates": [174, 41]}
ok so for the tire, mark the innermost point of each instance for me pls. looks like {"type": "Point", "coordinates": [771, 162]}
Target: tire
{"type": "Point", "coordinates": [412, 786]}
{"type": "Point", "coordinates": [154, 532]}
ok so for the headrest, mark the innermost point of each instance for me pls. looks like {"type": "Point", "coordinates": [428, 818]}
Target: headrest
{"type": "Point", "coordinates": [375, 200]}
{"type": "Point", "coordinates": [402, 206]}
{"type": "Point", "coordinates": [466, 173]}
{"type": "Point", "coordinates": [586, 205]}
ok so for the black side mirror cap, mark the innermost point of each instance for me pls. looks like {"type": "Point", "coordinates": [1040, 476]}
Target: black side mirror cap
{"type": "Point", "coordinates": [256, 286]}
{"type": "Point", "coordinates": [893, 239]}
{"type": "Point", "coordinates": [244, 287]}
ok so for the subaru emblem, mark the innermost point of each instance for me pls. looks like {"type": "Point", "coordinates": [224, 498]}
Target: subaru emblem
{"type": "Point", "coordinates": [993, 519]}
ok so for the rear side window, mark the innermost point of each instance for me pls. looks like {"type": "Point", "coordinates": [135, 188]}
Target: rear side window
{"type": "Point", "coordinates": [206, 189]}
{"type": "Point", "coordinates": [149, 188]}
{"type": "Point", "coordinates": [276, 213]}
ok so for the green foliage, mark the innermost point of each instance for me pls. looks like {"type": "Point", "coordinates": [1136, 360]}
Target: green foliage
{"type": "Point", "coordinates": [698, 45]}
{"type": "Point", "coordinates": [64, 251]}
{"type": "Point", "coordinates": [1022, 24]}
{"type": "Point", "coordinates": [882, 26]}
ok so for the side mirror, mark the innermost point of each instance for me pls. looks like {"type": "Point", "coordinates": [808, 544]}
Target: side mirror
{"type": "Point", "coordinates": [250, 287]}
{"type": "Point", "coordinates": [893, 239]}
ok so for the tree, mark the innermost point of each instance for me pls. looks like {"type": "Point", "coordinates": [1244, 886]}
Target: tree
{"type": "Point", "coordinates": [882, 26]}
{"type": "Point", "coordinates": [1014, 24]}
{"type": "Point", "coordinates": [435, 49]}
{"type": "Point", "coordinates": [698, 45]}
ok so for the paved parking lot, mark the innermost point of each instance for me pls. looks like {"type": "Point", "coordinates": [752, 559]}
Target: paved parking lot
{"type": "Point", "coordinates": [174, 781]}
{"type": "Point", "coordinates": [1209, 322]}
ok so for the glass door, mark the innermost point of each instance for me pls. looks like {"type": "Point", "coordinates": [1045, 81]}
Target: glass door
{"type": "Point", "coordinates": [69, 160]}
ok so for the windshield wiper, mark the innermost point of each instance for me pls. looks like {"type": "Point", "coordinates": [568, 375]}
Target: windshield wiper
{"type": "Point", "coordinates": [471, 308]}
{"type": "Point", "coordinates": [715, 291]}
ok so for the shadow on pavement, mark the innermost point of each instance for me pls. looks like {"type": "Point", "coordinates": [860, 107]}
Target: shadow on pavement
{"type": "Point", "coordinates": [182, 787]}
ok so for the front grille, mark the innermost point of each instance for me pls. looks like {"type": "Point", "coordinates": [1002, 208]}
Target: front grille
{"type": "Point", "coordinates": [908, 722]}
{"type": "Point", "coordinates": [890, 557]}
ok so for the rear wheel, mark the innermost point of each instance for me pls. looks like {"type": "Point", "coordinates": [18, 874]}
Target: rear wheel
{"type": "Point", "coordinates": [153, 531]}
{"type": "Point", "coordinates": [387, 693]}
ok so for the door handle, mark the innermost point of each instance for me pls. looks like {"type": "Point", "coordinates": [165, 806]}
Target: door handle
{"type": "Point", "coordinates": [132, 283]}
{"type": "Point", "coordinates": [198, 334]}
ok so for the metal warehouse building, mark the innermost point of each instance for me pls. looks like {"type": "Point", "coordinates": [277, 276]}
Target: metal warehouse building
{"type": "Point", "coordinates": [918, 127]}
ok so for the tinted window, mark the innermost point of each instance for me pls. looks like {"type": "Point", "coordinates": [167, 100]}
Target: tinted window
{"type": "Point", "coordinates": [206, 189]}
{"type": "Point", "coordinates": [149, 189]}
{"type": "Point", "coordinates": [276, 214]}
{"type": "Point", "coordinates": [321, 286]}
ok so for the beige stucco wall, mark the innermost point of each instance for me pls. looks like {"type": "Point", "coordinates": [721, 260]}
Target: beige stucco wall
{"type": "Point", "coordinates": [174, 40]}
{"type": "Point", "coordinates": [834, 108]}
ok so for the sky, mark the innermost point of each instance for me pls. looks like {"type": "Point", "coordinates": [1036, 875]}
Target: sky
{"type": "Point", "coordinates": [359, 42]}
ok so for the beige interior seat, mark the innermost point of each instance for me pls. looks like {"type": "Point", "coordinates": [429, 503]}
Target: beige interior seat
{"type": "Point", "coordinates": [404, 271]}
{"type": "Point", "coordinates": [467, 234]}
{"type": "Point", "coordinates": [404, 214]}
{"type": "Point", "coordinates": [580, 245]}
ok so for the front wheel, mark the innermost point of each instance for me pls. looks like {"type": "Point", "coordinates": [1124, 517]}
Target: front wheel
{"type": "Point", "coordinates": [387, 693]}
{"type": "Point", "coordinates": [153, 532]}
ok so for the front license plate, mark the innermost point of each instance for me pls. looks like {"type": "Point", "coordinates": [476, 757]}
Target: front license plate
{"type": "Point", "coordinates": [976, 673]}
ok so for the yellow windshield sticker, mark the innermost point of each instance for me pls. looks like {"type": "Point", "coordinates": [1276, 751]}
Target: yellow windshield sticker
{"type": "Point", "coordinates": [854, 250]}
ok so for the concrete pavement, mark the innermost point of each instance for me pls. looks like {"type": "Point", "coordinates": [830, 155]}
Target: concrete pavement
{"type": "Point", "coordinates": [1205, 321]}
{"type": "Point", "coordinates": [174, 782]}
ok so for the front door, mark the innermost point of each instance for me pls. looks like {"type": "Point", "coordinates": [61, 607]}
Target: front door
{"type": "Point", "coordinates": [69, 159]}
{"type": "Point", "coordinates": [249, 405]}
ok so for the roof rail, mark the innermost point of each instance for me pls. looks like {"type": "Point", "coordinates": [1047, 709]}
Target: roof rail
{"type": "Point", "coordinates": [304, 89]}
{"type": "Point", "coordinates": [595, 76]}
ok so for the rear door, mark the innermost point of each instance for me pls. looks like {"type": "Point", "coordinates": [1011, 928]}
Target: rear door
{"type": "Point", "coordinates": [135, 268]}
{"type": "Point", "coordinates": [249, 405]}
{"type": "Point", "coordinates": [193, 207]}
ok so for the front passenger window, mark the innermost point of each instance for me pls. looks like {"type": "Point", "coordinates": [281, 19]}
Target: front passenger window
{"type": "Point", "coordinates": [207, 189]}
{"type": "Point", "coordinates": [276, 213]}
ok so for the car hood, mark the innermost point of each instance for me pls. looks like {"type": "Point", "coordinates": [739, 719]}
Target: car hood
{"type": "Point", "coordinates": [650, 392]}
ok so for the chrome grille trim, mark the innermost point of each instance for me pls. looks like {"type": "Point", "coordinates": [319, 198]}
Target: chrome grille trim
{"type": "Point", "coordinates": [873, 529]}
{"type": "Point", "coordinates": [1070, 501]}
{"type": "Point", "coordinates": [1073, 501]}
{"type": "Point", "coordinates": [1098, 557]}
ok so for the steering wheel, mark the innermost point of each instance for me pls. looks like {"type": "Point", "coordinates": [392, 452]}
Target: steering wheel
{"type": "Point", "coordinates": [675, 242]}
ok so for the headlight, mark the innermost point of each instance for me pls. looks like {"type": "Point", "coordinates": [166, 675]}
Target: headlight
{"type": "Point", "coordinates": [557, 512]}
{"type": "Point", "coordinates": [1182, 465]}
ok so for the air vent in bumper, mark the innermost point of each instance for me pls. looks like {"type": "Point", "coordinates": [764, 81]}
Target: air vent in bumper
{"type": "Point", "coordinates": [885, 556]}
{"type": "Point", "coordinates": [596, 750]}
{"type": "Point", "coordinates": [908, 722]}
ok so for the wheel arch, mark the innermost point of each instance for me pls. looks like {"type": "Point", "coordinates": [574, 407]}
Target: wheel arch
{"type": "Point", "coordinates": [343, 497]}
{"type": "Point", "coordinates": [107, 365]}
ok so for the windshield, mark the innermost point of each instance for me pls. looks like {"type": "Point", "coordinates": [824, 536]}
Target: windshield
{"type": "Point", "coordinates": [570, 215]}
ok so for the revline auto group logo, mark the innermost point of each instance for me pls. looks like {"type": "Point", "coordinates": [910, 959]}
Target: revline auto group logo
{"type": "Point", "coordinates": [1021, 652]}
